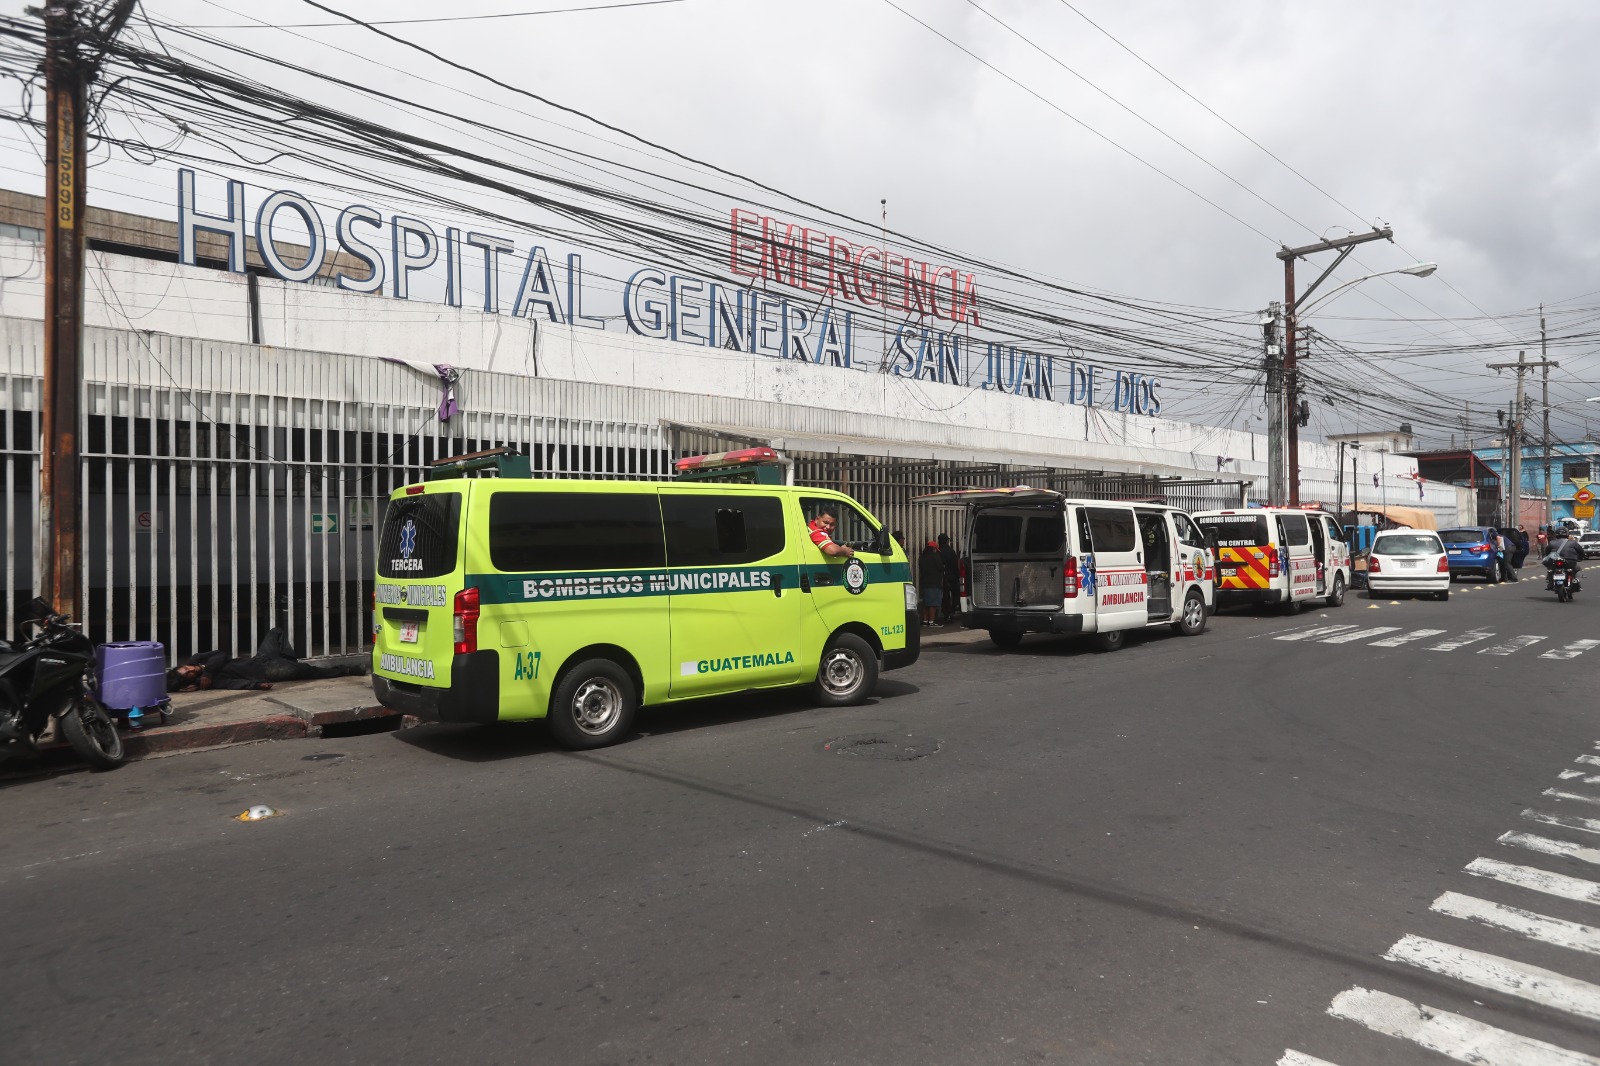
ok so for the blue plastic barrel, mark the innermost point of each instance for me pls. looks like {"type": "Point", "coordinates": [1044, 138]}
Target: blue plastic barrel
{"type": "Point", "coordinates": [131, 673]}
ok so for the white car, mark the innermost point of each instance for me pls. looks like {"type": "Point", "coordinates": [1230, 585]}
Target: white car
{"type": "Point", "coordinates": [1409, 560]}
{"type": "Point", "coordinates": [1591, 545]}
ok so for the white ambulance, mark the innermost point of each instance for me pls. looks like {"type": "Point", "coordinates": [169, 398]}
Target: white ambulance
{"type": "Point", "coordinates": [1277, 555]}
{"type": "Point", "coordinates": [1037, 562]}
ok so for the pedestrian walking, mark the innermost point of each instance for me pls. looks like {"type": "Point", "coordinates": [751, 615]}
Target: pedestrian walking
{"type": "Point", "coordinates": [952, 577]}
{"type": "Point", "coordinates": [930, 582]}
{"type": "Point", "coordinates": [1544, 540]}
{"type": "Point", "coordinates": [1521, 555]}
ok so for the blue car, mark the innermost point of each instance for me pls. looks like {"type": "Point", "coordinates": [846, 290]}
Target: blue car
{"type": "Point", "coordinates": [1470, 550]}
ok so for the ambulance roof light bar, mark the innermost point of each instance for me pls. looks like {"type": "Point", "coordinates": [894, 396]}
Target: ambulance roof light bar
{"type": "Point", "coordinates": [505, 462]}
{"type": "Point", "coordinates": [764, 466]}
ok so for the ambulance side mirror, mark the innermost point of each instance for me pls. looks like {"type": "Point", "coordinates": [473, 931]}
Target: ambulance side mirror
{"type": "Point", "coordinates": [881, 543]}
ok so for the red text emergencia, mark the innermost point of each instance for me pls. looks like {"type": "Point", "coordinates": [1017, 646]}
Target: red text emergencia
{"type": "Point", "coordinates": [804, 258]}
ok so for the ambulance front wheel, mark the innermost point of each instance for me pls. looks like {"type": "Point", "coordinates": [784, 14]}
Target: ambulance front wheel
{"type": "Point", "coordinates": [848, 672]}
{"type": "Point", "coordinates": [593, 705]}
{"type": "Point", "coordinates": [1192, 622]}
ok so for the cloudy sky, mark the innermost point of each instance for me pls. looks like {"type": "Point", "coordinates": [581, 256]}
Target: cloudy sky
{"type": "Point", "coordinates": [1469, 127]}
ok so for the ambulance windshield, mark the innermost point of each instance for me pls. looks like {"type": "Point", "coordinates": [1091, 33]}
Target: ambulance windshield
{"type": "Point", "coordinates": [1235, 530]}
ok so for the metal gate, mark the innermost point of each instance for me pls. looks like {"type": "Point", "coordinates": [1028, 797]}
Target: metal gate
{"type": "Point", "coordinates": [225, 492]}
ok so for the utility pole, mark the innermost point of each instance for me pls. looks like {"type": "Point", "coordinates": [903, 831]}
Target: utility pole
{"type": "Point", "coordinates": [1345, 246]}
{"type": "Point", "coordinates": [68, 70]}
{"type": "Point", "coordinates": [1271, 323]}
{"type": "Point", "coordinates": [1546, 364]}
{"type": "Point", "coordinates": [1515, 427]}
{"type": "Point", "coordinates": [65, 179]}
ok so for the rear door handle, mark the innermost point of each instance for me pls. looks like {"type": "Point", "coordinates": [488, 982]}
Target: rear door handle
{"type": "Point", "coordinates": [777, 585]}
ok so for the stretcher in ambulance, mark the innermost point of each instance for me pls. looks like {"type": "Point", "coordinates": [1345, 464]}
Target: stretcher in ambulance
{"type": "Point", "coordinates": [1277, 556]}
{"type": "Point", "coordinates": [1036, 562]}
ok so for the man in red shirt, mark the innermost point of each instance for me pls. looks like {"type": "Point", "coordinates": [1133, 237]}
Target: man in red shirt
{"type": "Point", "coordinates": [821, 530]}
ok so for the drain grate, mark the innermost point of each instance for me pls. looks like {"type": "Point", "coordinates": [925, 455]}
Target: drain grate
{"type": "Point", "coordinates": [887, 747]}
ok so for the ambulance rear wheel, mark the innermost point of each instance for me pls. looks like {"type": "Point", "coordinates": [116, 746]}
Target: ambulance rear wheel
{"type": "Point", "coordinates": [593, 705]}
{"type": "Point", "coordinates": [1006, 638]}
{"type": "Point", "coordinates": [1336, 597]}
{"type": "Point", "coordinates": [848, 672]}
{"type": "Point", "coordinates": [1193, 620]}
{"type": "Point", "coordinates": [1110, 641]}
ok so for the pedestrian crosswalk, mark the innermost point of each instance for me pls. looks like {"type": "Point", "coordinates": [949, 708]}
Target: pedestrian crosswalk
{"type": "Point", "coordinates": [1441, 640]}
{"type": "Point", "coordinates": [1499, 971]}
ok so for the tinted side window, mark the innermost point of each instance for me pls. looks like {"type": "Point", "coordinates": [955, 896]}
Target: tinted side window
{"type": "Point", "coordinates": [704, 530]}
{"type": "Point", "coordinates": [996, 534]}
{"type": "Point", "coordinates": [419, 535]}
{"type": "Point", "coordinates": [1044, 534]}
{"type": "Point", "coordinates": [1112, 529]}
{"type": "Point", "coordinates": [1294, 529]}
{"type": "Point", "coordinates": [539, 531]}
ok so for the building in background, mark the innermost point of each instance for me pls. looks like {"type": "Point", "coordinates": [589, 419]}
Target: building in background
{"type": "Point", "coordinates": [1569, 468]}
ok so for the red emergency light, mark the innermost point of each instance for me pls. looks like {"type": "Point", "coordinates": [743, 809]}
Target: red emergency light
{"type": "Point", "coordinates": [742, 457]}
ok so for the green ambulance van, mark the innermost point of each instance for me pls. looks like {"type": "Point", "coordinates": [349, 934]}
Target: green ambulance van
{"type": "Point", "coordinates": [512, 598]}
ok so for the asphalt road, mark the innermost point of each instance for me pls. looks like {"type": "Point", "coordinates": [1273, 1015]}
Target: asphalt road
{"type": "Point", "coordinates": [1181, 852]}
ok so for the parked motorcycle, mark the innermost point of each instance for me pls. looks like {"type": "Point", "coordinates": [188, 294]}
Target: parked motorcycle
{"type": "Point", "coordinates": [49, 676]}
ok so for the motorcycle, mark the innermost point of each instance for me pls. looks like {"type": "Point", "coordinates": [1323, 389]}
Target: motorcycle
{"type": "Point", "coordinates": [1564, 583]}
{"type": "Point", "coordinates": [48, 675]}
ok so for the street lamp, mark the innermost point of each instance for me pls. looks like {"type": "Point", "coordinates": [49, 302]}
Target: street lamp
{"type": "Point", "coordinates": [1416, 270]}
{"type": "Point", "coordinates": [1290, 383]}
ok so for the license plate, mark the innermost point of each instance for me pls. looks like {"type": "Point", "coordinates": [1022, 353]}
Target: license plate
{"type": "Point", "coordinates": [1230, 571]}
{"type": "Point", "coordinates": [1457, 551]}
{"type": "Point", "coordinates": [408, 632]}
{"type": "Point", "coordinates": [1409, 564]}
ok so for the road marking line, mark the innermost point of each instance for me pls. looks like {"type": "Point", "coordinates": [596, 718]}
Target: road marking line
{"type": "Point", "coordinates": [1537, 880]}
{"type": "Point", "coordinates": [1564, 848]}
{"type": "Point", "coordinates": [1471, 636]}
{"type": "Point", "coordinates": [1532, 983]}
{"type": "Point", "coordinates": [1360, 634]}
{"type": "Point", "coordinates": [1320, 631]}
{"type": "Point", "coordinates": [1571, 651]}
{"type": "Point", "coordinates": [1453, 1035]}
{"type": "Point", "coordinates": [1588, 825]}
{"type": "Point", "coordinates": [1588, 760]}
{"type": "Point", "coordinates": [1556, 793]}
{"type": "Point", "coordinates": [1541, 927]}
{"type": "Point", "coordinates": [1276, 632]}
{"type": "Point", "coordinates": [1580, 777]}
{"type": "Point", "coordinates": [1403, 638]}
{"type": "Point", "coordinates": [1292, 1057]}
{"type": "Point", "coordinates": [1515, 644]}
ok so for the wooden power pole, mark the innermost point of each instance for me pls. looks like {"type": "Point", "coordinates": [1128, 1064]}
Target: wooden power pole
{"type": "Point", "coordinates": [60, 503]}
{"type": "Point", "coordinates": [70, 64]}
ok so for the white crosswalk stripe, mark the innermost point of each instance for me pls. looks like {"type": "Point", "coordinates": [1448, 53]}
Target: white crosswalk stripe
{"type": "Point", "coordinates": [1546, 846]}
{"type": "Point", "coordinates": [1538, 880]}
{"type": "Point", "coordinates": [1318, 631]}
{"type": "Point", "coordinates": [1541, 927]}
{"type": "Point", "coordinates": [1556, 793]}
{"type": "Point", "coordinates": [1571, 651]}
{"type": "Point", "coordinates": [1565, 821]}
{"type": "Point", "coordinates": [1406, 638]}
{"type": "Point", "coordinates": [1587, 760]}
{"type": "Point", "coordinates": [1453, 1035]}
{"type": "Point", "coordinates": [1300, 1058]}
{"type": "Point", "coordinates": [1580, 777]}
{"type": "Point", "coordinates": [1471, 636]}
{"type": "Point", "coordinates": [1532, 983]}
{"type": "Point", "coordinates": [1360, 634]}
{"type": "Point", "coordinates": [1515, 644]}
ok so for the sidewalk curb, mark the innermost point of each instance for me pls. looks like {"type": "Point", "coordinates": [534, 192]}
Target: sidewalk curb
{"type": "Point", "coordinates": [249, 731]}
{"type": "Point", "coordinates": [316, 721]}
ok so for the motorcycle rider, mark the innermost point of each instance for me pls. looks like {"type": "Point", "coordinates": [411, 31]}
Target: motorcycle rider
{"type": "Point", "coordinates": [1566, 552]}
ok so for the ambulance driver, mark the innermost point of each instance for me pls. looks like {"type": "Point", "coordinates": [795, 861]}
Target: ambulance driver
{"type": "Point", "coordinates": [821, 530]}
